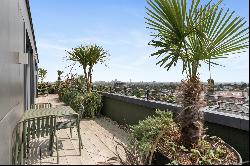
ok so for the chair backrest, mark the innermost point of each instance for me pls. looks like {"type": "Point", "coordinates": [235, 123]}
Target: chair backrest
{"type": "Point", "coordinates": [39, 126]}
{"type": "Point", "coordinates": [16, 146]}
{"type": "Point", "coordinates": [30, 129]}
{"type": "Point", "coordinates": [41, 105]}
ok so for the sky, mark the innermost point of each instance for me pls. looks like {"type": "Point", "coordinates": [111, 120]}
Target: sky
{"type": "Point", "coordinates": [119, 27]}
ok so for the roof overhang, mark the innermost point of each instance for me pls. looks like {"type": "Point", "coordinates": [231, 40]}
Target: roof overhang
{"type": "Point", "coordinates": [32, 29]}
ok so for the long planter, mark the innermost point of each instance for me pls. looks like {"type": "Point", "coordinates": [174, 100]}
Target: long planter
{"type": "Point", "coordinates": [160, 159]}
{"type": "Point", "coordinates": [236, 152]}
{"type": "Point", "coordinates": [233, 129]}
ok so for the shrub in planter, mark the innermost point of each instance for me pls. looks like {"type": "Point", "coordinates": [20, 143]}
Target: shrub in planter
{"type": "Point", "coordinates": [160, 134]}
{"type": "Point", "coordinates": [144, 135]}
{"type": "Point", "coordinates": [70, 97]}
{"type": "Point", "coordinates": [51, 88]}
{"type": "Point", "coordinates": [70, 88]}
{"type": "Point", "coordinates": [92, 104]}
{"type": "Point", "coordinates": [62, 90]}
{"type": "Point", "coordinates": [76, 101]}
{"type": "Point", "coordinates": [91, 101]}
{"type": "Point", "coordinates": [42, 88]}
{"type": "Point", "coordinates": [74, 94]}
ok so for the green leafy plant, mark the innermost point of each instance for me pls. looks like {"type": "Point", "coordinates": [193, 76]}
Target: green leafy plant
{"type": "Point", "coordinates": [144, 136]}
{"type": "Point", "coordinates": [59, 73]}
{"type": "Point", "coordinates": [137, 93]}
{"type": "Point", "coordinates": [171, 98]}
{"type": "Point", "coordinates": [159, 133]}
{"type": "Point", "coordinates": [87, 56]}
{"type": "Point", "coordinates": [192, 35]}
{"type": "Point", "coordinates": [70, 88]}
{"type": "Point", "coordinates": [42, 88]}
{"type": "Point", "coordinates": [42, 74]}
{"type": "Point", "coordinates": [51, 88]}
{"type": "Point", "coordinates": [73, 93]}
{"type": "Point", "coordinates": [92, 104]}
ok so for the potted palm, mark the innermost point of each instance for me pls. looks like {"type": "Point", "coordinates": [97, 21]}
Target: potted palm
{"type": "Point", "coordinates": [194, 35]}
{"type": "Point", "coordinates": [88, 56]}
{"type": "Point", "coordinates": [59, 73]}
{"type": "Point", "coordinates": [42, 86]}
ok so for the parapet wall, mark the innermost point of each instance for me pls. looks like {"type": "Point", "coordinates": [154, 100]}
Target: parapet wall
{"type": "Point", "coordinates": [126, 110]}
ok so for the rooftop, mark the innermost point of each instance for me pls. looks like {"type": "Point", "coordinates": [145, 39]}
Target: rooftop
{"type": "Point", "coordinates": [99, 138]}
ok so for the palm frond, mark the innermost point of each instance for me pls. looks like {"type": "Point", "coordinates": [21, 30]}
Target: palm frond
{"type": "Point", "coordinates": [195, 33]}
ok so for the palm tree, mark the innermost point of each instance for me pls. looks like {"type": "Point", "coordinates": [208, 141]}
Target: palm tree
{"type": "Point", "coordinates": [42, 74]}
{"type": "Point", "coordinates": [193, 35]}
{"type": "Point", "coordinates": [59, 73]}
{"type": "Point", "coordinates": [88, 56]}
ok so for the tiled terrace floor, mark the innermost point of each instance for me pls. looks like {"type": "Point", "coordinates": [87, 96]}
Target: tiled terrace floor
{"type": "Point", "coordinates": [99, 138]}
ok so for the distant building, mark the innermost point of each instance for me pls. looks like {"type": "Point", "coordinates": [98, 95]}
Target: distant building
{"type": "Point", "coordinates": [119, 84]}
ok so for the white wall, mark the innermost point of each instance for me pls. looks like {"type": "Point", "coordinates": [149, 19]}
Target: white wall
{"type": "Point", "coordinates": [13, 13]}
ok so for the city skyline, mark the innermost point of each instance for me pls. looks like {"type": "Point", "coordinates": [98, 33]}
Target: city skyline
{"type": "Point", "coordinates": [120, 28]}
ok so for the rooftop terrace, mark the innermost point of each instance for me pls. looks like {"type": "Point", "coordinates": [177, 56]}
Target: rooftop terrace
{"type": "Point", "coordinates": [99, 138]}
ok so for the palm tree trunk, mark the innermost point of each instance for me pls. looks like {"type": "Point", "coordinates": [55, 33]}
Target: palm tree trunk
{"type": "Point", "coordinates": [89, 78]}
{"type": "Point", "coordinates": [191, 118]}
{"type": "Point", "coordinates": [86, 77]}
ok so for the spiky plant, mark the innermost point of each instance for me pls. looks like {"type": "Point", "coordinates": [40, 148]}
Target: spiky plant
{"type": "Point", "coordinates": [88, 56]}
{"type": "Point", "coordinates": [193, 34]}
{"type": "Point", "coordinates": [59, 73]}
{"type": "Point", "coordinates": [42, 74]}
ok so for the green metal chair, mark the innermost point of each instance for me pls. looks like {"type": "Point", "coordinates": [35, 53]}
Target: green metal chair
{"type": "Point", "coordinates": [70, 122]}
{"type": "Point", "coordinates": [41, 105]}
{"type": "Point", "coordinates": [36, 128]}
{"type": "Point", "coordinates": [63, 123]}
{"type": "Point", "coordinates": [17, 158]}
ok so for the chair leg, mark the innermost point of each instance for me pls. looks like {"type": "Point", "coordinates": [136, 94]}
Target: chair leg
{"type": "Point", "coordinates": [21, 155]}
{"type": "Point", "coordinates": [24, 148]}
{"type": "Point", "coordinates": [28, 146]}
{"type": "Point", "coordinates": [81, 142]}
{"type": "Point", "coordinates": [80, 139]}
{"type": "Point", "coordinates": [40, 153]}
{"type": "Point", "coordinates": [57, 153]}
{"type": "Point", "coordinates": [50, 142]}
{"type": "Point", "coordinates": [16, 153]}
{"type": "Point", "coordinates": [70, 132]}
{"type": "Point", "coordinates": [51, 145]}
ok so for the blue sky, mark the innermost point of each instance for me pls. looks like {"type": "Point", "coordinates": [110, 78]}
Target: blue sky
{"type": "Point", "coordinates": [118, 26]}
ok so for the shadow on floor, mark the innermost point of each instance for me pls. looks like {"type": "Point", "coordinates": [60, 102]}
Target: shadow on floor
{"type": "Point", "coordinates": [39, 150]}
